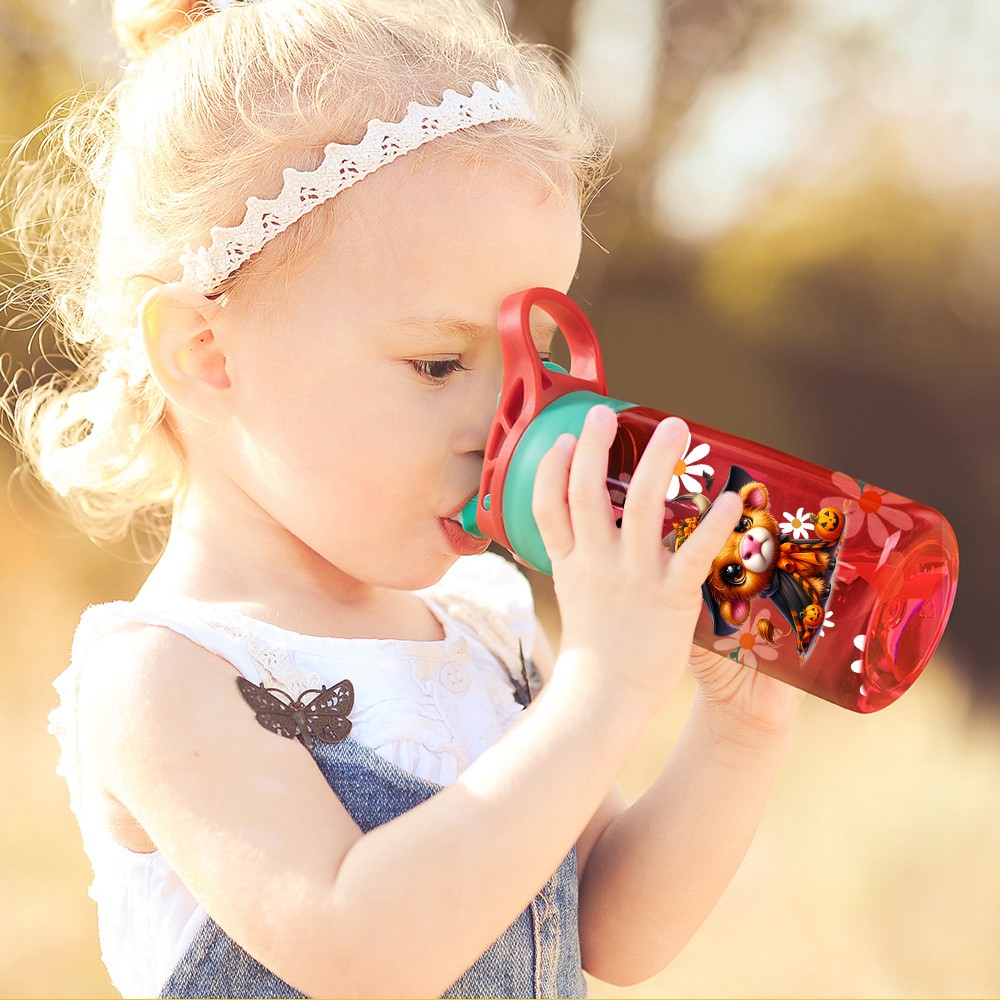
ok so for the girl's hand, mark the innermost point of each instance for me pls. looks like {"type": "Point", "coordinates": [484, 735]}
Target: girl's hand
{"type": "Point", "coordinates": [628, 605]}
{"type": "Point", "coordinates": [741, 698]}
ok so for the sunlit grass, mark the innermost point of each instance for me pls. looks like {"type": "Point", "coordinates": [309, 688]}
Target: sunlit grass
{"type": "Point", "coordinates": [876, 871]}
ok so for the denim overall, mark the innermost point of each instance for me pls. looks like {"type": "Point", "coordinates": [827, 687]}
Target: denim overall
{"type": "Point", "coordinates": [537, 956]}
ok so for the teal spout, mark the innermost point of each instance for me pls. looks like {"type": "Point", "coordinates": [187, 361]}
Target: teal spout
{"type": "Point", "coordinates": [467, 517]}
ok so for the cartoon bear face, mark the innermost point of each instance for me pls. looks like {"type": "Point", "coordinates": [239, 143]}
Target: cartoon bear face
{"type": "Point", "coordinates": [744, 567]}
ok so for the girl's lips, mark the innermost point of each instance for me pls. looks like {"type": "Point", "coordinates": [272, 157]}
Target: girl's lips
{"type": "Point", "coordinates": [460, 541]}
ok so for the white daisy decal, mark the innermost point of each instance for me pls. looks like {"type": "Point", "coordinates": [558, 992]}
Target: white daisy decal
{"type": "Point", "coordinates": [859, 644]}
{"type": "Point", "coordinates": [828, 622]}
{"type": "Point", "coordinates": [796, 525]}
{"type": "Point", "coordinates": [687, 468]}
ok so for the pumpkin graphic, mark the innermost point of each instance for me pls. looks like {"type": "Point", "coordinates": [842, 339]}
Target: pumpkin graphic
{"type": "Point", "coordinates": [812, 616]}
{"type": "Point", "coordinates": [830, 523]}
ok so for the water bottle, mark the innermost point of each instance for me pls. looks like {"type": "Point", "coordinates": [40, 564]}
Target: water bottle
{"type": "Point", "coordinates": [829, 583]}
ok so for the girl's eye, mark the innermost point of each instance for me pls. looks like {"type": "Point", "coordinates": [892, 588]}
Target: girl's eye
{"type": "Point", "coordinates": [437, 371]}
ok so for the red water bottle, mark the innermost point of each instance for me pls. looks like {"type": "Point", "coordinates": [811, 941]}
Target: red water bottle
{"type": "Point", "coordinates": [829, 583]}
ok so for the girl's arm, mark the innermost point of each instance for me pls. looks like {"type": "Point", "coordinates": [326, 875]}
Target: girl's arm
{"type": "Point", "coordinates": [660, 867]}
{"type": "Point", "coordinates": [656, 870]}
{"type": "Point", "coordinates": [651, 874]}
{"type": "Point", "coordinates": [250, 826]}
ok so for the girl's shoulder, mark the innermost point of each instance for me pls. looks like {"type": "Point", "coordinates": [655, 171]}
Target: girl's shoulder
{"type": "Point", "coordinates": [116, 647]}
{"type": "Point", "coordinates": [124, 666]}
{"type": "Point", "coordinates": [122, 678]}
{"type": "Point", "coordinates": [123, 658]}
{"type": "Point", "coordinates": [158, 631]}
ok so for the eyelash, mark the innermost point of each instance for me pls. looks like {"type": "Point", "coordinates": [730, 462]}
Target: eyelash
{"type": "Point", "coordinates": [438, 371]}
{"type": "Point", "coordinates": [432, 370]}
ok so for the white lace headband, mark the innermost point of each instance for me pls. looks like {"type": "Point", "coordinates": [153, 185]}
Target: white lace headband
{"type": "Point", "coordinates": [343, 165]}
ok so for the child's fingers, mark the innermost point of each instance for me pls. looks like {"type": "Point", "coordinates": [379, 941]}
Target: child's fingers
{"type": "Point", "coordinates": [692, 562]}
{"type": "Point", "coordinates": [642, 522]}
{"type": "Point", "coordinates": [589, 502]}
{"type": "Point", "coordinates": [548, 498]}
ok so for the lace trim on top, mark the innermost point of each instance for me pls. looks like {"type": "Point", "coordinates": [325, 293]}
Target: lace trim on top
{"type": "Point", "coordinates": [273, 660]}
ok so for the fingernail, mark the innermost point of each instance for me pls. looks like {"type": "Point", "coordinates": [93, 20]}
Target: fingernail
{"type": "Point", "coordinates": [671, 426]}
{"type": "Point", "coordinates": [662, 430]}
{"type": "Point", "coordinates": [598, 416]}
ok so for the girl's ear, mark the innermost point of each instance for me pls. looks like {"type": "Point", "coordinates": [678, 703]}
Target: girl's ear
{"type": "Point", "coordinates": [187, 356]}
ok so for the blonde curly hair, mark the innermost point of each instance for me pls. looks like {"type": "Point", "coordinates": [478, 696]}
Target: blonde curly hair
{"type": "Point", "coordinates": [212, 106]}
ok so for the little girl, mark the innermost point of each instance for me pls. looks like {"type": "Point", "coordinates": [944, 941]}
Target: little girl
{"type": "Point", "coordinates": [305, 758]}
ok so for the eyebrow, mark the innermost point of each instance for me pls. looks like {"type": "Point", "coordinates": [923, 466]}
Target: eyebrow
{"type": "Point", "coordinates": [444, 326]}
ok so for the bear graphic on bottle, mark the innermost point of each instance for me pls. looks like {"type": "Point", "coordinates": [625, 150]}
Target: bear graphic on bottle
{"type": "Point", "coordinates": [762, 561]}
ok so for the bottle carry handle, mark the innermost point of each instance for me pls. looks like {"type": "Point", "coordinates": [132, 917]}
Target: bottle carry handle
{"type": "Point", "coordinates": [529, 386]}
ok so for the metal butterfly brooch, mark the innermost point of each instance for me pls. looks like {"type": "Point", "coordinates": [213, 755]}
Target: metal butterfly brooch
{"type": "Point", "coordinates": [324, 717]}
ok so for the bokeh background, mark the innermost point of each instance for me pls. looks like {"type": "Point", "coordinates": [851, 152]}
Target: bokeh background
{"type": "Point", "coordinates": [801, 244]}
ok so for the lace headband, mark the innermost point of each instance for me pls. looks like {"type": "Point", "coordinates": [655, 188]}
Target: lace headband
{"type": "Point", "coordinates": [344, 165]}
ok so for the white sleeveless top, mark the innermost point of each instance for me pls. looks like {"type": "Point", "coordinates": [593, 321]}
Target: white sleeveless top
{"type": "Point", "coordinates": [429, 707]}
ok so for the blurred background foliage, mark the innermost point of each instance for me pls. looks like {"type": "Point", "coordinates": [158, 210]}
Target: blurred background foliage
{"type": "Point", "coordinates": [801, 245]}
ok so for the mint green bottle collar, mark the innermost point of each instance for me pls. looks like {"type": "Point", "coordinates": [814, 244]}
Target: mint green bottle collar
{"type": "Point", "coordinates": [563, 415]}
